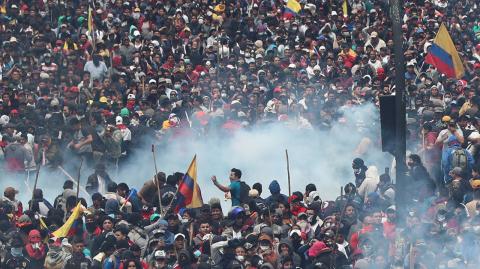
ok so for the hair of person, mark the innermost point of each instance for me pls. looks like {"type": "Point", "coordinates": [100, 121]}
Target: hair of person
{"type": "Point", "coordinates": [97, 197]}
{"type": "Point", "coordinates": [237, 172]}
{"type": "Point", "coordinates": [415, 158]}
{"type": "Point", "coordinates": [310, 187]}
{"type": "Point", "coordinates": [77, 240]}
{"type": "Point", "coordinates": [112, 187]}
{"type": "Point", "coordinates": [123, 186]}
{"type": "Point", "coordinates": [258, 187]}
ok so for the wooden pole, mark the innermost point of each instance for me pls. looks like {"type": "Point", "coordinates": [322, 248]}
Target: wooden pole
{"type": "Point", "coordinates": [288, 174]}
{"type": "Point", "coordinates": [157, 181]}
{"type": "Point", "coordinates": [78, 178]}
{"type": "Point", "coordinates": [34, 187]}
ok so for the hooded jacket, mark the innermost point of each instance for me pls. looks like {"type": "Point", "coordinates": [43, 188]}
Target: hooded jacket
{"type": "Point", "coordinates": [276, 196]}
{"type": "Point", "coordinates": [297, 261]}
{"type": "Point", "coordinates": [370, 183]}
{"type": "Point", "coordinates": [56, 257]}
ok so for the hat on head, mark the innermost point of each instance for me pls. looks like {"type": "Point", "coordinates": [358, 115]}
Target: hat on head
{"type": "Point", "coordinates": [124, 112]}
{"type": "Point", "coordinates": [131, 96]}
{"type": "Point", "coordinates": [118, 120]}
{"type": "Point", "coordinates": [179, 235]}
{"type": "Point", "coordinates": [160, 254]}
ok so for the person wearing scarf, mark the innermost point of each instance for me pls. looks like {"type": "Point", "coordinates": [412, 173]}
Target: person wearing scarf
{"type": "Point", "coordinates": [36, 250]}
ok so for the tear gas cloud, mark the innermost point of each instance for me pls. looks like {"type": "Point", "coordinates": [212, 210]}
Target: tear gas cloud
{"type": "Point", "coordinates": [320, 157]}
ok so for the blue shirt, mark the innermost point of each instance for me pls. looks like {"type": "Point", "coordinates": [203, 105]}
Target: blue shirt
{"type": "Point", "coordinates": [235, 192]}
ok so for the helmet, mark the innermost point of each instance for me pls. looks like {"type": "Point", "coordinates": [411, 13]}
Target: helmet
{"type": "Point", "coordinates": [235, 212]}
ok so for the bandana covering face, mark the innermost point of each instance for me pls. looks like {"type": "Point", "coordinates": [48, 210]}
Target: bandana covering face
{"type": "Point", "coordinates": [35, 248]}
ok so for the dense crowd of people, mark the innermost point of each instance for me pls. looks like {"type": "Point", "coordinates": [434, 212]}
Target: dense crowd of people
{"type": "Point", "coordinates": [91, 81]}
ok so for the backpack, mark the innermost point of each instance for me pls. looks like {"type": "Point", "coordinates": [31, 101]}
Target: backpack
{"type": "Point", "coordinates": [244, 189]}
{"type": "Point", "coordinates": [459, 159]}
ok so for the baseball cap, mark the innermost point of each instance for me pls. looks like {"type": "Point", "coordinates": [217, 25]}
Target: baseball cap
{"type": "Point", "coordinates": [152, 81]}
{"type": "Point", "coordinates": [131, 96]}
{"type": "Point", "coordinates": [179, 235]}
{"type": "Point", "coordinates": [160, 254]}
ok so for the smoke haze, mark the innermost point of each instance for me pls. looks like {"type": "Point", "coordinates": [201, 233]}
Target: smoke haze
{"type": "Point", "coordinates": [320, 157]}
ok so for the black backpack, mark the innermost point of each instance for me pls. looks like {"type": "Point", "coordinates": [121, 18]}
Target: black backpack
{"type": "Point", "coordinates": [244, 189]}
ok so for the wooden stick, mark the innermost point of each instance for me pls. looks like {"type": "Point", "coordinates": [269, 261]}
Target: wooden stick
{"type": "Point", "coordinates": [157, 181]}
{"type": "Point", "coordinates": [78, 178]}
{"type": "Point", "coordinates": [34, 187]}
{"type": "Point", "coordinates": [288, 173]}
{"type": "Point", "coordinates": [73, 180]}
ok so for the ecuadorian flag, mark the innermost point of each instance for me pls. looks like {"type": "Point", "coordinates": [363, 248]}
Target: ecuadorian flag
{"type": "Point", "coordinates": [444, 56]}
{"type": "Point", "coordinates": [292, 8]}
{"type": "Point", "coordinates": [189, 194]}
{"type": "Point", "coordinates": [69, 228]}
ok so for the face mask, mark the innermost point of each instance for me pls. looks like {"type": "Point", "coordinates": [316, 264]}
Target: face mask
{"type": "Point", "coordinates": [177, 86]}
{"type": "Point", "coordinates": [197, 253]}
{"type": "Point", "coordinates": [240, 258]}
{"type": "Point", "coordinates": [134, 122]}
{"type": "Point", "coordinates": [184, 221]}
{"type": "Point", "coordinates": [136, 15]}
{"type": "Point", "coordinates": [441, 218]}
{"type": "Point", "coordinates": [367, 250]}
{"type": "Point", "coordinates": [224, 95]}
{"type": "Point", "coordinates": [264, 248]}
{"type": "Point", "coordinates": [447, 100]}
{"type": "Point", "coordinates": [90, 227]}
{"type": "Point", "coordinates": [16, 252]}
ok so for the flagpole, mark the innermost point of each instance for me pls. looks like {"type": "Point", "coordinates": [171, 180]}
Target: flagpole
{"type": "Point", "coordinates": [288, 174]}
{"type": "Point", "coordinates": [174, 197]}
{"type": "Point", "coordinates": [34, 187]}
{"type": "Point", "coordinates": [157, 181]}
{"type": "Point", "coordinates": [78, 178]}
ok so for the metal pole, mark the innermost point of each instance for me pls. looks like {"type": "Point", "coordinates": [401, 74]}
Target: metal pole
{"type": "Point", "coordinates": [396, 13]}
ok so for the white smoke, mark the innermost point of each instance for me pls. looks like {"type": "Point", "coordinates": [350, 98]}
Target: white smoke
{"type": "Point", "coordinates": [320, 157]}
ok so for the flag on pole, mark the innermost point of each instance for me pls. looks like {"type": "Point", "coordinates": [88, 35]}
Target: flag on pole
{"type": "Point", "coordinates": [292, 8]}
{"type": "Point", "coordinates": [69, 227]}
{"type": "Point", "coordinates": [90, 19]}
{"type": "Point", "coordinates": [444, 56]}
{"type": "Point", "coordinates": [345, 8]}
{"type": "Point", "coordinates": [189, 194]}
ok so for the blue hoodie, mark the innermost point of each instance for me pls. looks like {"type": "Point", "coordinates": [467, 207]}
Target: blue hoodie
{"type": "Point", "coordinates": [276, 196]}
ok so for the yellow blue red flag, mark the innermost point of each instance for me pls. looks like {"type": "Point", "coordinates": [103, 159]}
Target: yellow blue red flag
{"type": "Point", "coordinates": [292, 8]}
{"type": "Point", "coordinates": [189, 194]}
{"type": "Point", "coordinates": [444, 56]}
{"type": "Point", "coordinates": [69, 227]}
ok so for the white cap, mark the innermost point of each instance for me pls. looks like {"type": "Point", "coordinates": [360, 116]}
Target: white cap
{"type": "Point", "coordinates": [292, 66]}
{"type": "Point", "coordinates": [131, 96]}
{"type": "Point", "coordinates": [334, 13]}
{"type": "Point", "coordinates": [152, 81]}
{"type": "Point", "coordinates": [322, 48]}
{"type": "Point", "coordinates": [118, 120]}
